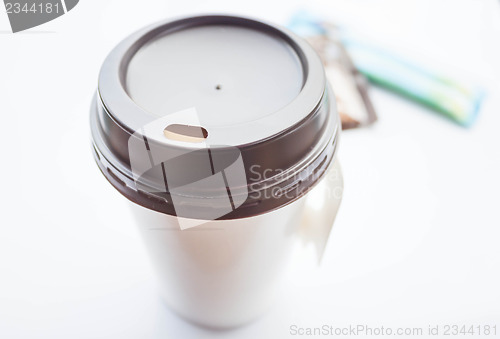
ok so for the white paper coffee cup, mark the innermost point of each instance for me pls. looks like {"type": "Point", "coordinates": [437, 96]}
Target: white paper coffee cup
{"type": "Point", "coordinates": [217, 129]}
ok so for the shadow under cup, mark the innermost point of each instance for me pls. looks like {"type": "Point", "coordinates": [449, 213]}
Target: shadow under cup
{"type": "Point", "coordinates": [217, 129]}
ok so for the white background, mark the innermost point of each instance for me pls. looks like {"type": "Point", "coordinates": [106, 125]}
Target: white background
{"type": "Point", "coordinates": [416, 241]}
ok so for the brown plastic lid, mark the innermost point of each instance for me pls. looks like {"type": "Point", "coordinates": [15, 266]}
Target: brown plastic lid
{"type": "Point", "coordinates": [213, 117]}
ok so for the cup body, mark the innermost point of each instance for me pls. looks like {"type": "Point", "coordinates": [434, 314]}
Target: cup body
{"type": "Point", "coordinates": [225, 273]}
{"type": "Point", "coordinates": [222, 273]}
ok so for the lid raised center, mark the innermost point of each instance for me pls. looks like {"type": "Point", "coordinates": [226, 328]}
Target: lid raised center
{"type": "Point", "coordinates": [230, 75]}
